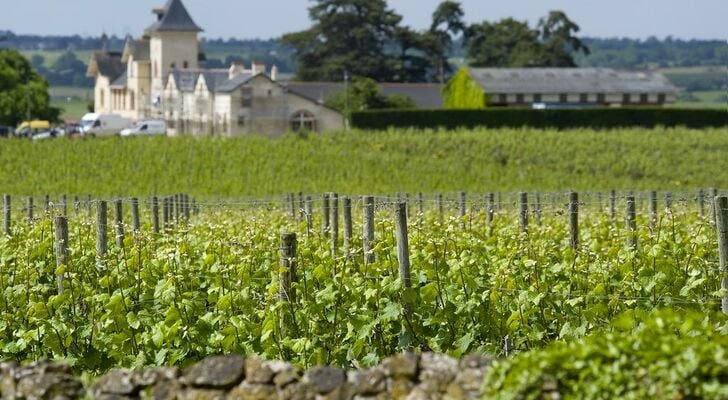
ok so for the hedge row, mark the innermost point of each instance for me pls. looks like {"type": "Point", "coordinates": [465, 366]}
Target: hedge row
{"type": "Point", "coordinates": [597, 118]}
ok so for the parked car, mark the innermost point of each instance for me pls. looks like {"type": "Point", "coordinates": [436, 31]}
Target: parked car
{"type": "Point", "coordinates": [104, 124]}
{"type": "Point", "coordinates": [6, 131]}
{"type": "Point", "coordinates": [49, 134]}
{"type": "Point", "coordinates": [146, 128]}
{"type": "Point", "coordinates": [28, 129]}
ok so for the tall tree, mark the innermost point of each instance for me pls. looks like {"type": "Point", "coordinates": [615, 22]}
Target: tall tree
{"type": "Point", "coordinates": [347, 35]}
{"type": "Point", "coordinates": [557, 34]}
{"type": "Point", "coordinates": [21, 88]}
{"type": "Point", "coordinates": [447, 22]}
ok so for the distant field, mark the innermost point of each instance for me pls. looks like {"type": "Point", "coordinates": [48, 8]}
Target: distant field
{"type": "Point", "coordinates": [73, 110]}
{"type": "Point", "coordinates": [51, 56]}
{"type": "Point", "coordinates": [373, 162]}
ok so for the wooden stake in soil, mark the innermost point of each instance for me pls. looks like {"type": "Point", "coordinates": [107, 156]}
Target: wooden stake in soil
{"type": "Point", "coordinates": [523, 214]}
{"type": "Point", "coordinates": [440, 206]}
{"type": "Point", "coordinates": [574, 220]}
{"type": "Point", "coordinates": [309, 214]}
{"type": "Point", "coordinates": [101, 231]}
{"type": "Point", "coordinates": [402, 244]}
{"type": "Point", "coordinates": [632, 221]}
{"type": "Point", "coordinates": [334, 223]}
{"type": "Point", "coordinates": [537, 208]}
{"type": "Point", "coordinates": [155, 214]}
{"type": "Point", "coordinates": [61, 236]}
{"type": "Point", "coordinates": [613, 205]}
{"type": "Point", "coordinates": [30, 210]}
{"type": "Point", "coordinates": [368, 229]}
{"type": "Point", "coordinates": [8, 216]}
{"type": "Point", "coordinates": [287, 274]}
{"type": "Point", "coordinates": [653, 209]}
{"type": "Point", "coordinates": [491, 211]}
{"type": "Point", "coordinates": [347, 225]}
{"type": "Point", "coordinates": [135, 220]}
{"type": "Point", "coordinates": [325, 214]}
{"type": "Point", "coordinates": [421, 203]}
{"type": "Point", "coordinates": [701, 203]}
{"type": "Point", "coordinates": [721, 205]}
{"type": "Point", "coordinates": [463, 204]}
{"type": "Point", "coordinates": [119, 223]}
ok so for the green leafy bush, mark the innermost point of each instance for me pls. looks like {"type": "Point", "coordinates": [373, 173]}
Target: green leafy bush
{"type": "Point", "coordinates": [664, 355]}
{"type": "Point", "coordinates": [596, 118]}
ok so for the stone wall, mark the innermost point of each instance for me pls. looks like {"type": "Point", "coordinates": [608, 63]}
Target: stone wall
{"type": "Point", "coordinates": [406, 376]}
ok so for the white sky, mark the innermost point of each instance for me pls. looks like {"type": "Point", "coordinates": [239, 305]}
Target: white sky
{"type": "Point", "coordinates": [696, 19]}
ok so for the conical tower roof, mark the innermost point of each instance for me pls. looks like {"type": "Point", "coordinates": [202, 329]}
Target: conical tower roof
{"type": "Point", "coordinates": [173, 18]}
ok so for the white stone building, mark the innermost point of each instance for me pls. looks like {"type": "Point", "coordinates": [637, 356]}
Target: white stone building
{"type": "Point", "coordinates": [159, 76]}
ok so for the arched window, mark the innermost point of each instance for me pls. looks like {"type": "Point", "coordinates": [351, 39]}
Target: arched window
{"type": "Point", "coordinates": [303, 121]}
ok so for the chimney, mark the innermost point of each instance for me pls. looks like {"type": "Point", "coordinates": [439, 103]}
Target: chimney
{"type": "Point", "coordinates": [258, 68]}
{"type": "Point", "coordinates": [236, 69]}
{"type": "Point", "coordinates": [274, 73]}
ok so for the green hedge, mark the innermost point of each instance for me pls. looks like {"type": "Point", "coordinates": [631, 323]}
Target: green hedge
{"type": "Point", "coordinates": [597, 118]}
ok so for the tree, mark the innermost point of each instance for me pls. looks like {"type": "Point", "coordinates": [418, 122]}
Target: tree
{"type": "Point", "coordinates": [364, 94]}
{"type": "Point", "coordinates": [506, 43]}
{"type": "Point", "coordinates": [557, 34]}
{"type": "Point", "coordinates": [447, 22]}
{"type": "Point", "coordinates": [347, 36]}
{"type": "Point", "coordinates": [20, 87]}
{"type": "Point", "coordinates": [512, 43]}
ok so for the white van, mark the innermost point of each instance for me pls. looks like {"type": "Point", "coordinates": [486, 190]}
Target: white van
{"type": "Point", "coordinates": [104, 124]}
{"type": "Point", "coordinates": [146, 128]}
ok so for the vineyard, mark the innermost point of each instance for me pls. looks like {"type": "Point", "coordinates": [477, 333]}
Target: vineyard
{"type": "Point", "coordinates": [345, 280]}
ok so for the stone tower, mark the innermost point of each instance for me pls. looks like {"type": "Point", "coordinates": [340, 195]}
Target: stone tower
{"type": "Point", "coordinates": [173, 44]}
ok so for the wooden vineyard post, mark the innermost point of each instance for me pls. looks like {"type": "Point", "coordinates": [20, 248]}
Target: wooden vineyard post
{"type": "Point", "coordinates": [30, 210]}
{"type": "Point", "coordinates": [286, 278]}
{"type": "Point", "coordinates": [713, 195]}
{"type": "Point", "coordinates": [88, 205]}
{"type": "Point", "coordinates": [499, 203]}
{"type": "Point", "coordinates": [165, 213]}
{"type": "Point", "coordinates": [612, 205]}
{"type": "Point", "coordinates": [347, 225]}
{"type": "Point", "coordinates": [334, 199]}
{"type": "Point", "coordinates": [574, 220]}
{"type": "Point", "coordinates": [186, 207]}
{"type": "Point", "coordinates": [292, 204]}
{"type": "Point", "coordinates": [61, 228]}
{"type": "Point", "coordinates": [653, 209]}
{"type": "Point", "coordinates": [491, 212]}
{"type": "Point", "coordinates": [8, 215]}
{"type": "Point", "coordinates": [102, 245]}
{"type": "Point", "coordinates": [301, 209]}
{"type": "Point", "coordinates": [403, 258]}
{"type": "Point", "coordinates": [668, 202]}
{"type": "Point", "coordinates": [119, 223]}
{"type": "Point", "coordinates": [523, 214]}
{"type": "Point", "coordinates": [632, 222]}
{"type": "Point", "coordinates": [721, 206]}
{"type": "Point", "coordinates": [463, 204]}
{"type": "Point", "coordinates": [287, 274]}
{"type": "Point", "coordinates": [368, 229]}
{"type": "Point", "coordinates": [407, 200]}
{"type": "Point", "coordinates": [64, 204]}
{"type": "Point", "coordinates": [537, 208]}
{"type": "Point", "coordinates": [440, 207]}
{"type": "Point", "coordinates": [155, 214]}
{"type": "Point", "coordinates": [136, 221]}
{"type": "Point", "coordinates": [309, 215]}
{"type": "Point", "coordinates": [421, 203]}
{"type": "Point", "coordinates": [325, 215]}
{"type": "Point", "coordinates": [47, 204]}
{"type": "Point", "coordinates": [701, 203]}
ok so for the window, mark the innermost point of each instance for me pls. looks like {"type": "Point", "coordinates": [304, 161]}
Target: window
{"type": "Point", "coordinates": [601, 99]}
{"type": "Point", "coordinates": [583, 98]}
{"type": "Point", "coordinates": [241, 120]}
{"type": "Point", "coordinates": [185, 65]}
{"type": "Point", "coordinates": [537, 98]}
{"type": "Point", "coordinates": [131, 101]}
{"type": "Point", "coordinates": [502, 98]}
{"type": "Point", "coordinates": [173, 66]}
{"type": "Point", "coordinates": [563, 98]}
{"type": "Point", "coordinates": [661, 98]}
{"type": "Point", "coordinates": [247, 97]}
{"type": "Point", "coordinates": [270, 92]}
{"type": "Point", "coordinates": [303, 121]}
{"type": "Point", "coordinates": [519, 98]}
{"type": "Point", "coordinates": [626, 98]}
{"type": "Point", "coordinates": [644, 98]}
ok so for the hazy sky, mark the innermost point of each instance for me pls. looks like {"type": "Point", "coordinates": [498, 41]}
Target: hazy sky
{"type": "Point", "coordinates": [702, 19]}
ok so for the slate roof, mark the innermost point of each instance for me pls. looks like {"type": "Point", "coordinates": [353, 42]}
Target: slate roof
{"type": "Point", "coordinates": [120, 82]}
{"type": "Point", "coordinates": [232, 84]}
{"type": "Point", "coordinates": [174, 18]}
{"type": "Point", "coordinates": [216, 80]}
{"type": "Point", "coordinates": [425, 95]}
{"type": "Point", "coordinates": [569, 81]}
{"type": "Point", "coordinates": [107, 64]}
{"type": "Point", "coordinates": [139, 49]}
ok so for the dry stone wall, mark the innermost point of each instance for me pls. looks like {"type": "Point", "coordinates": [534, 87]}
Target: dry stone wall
{"type": "Point", "coordinates": [405, 376]}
